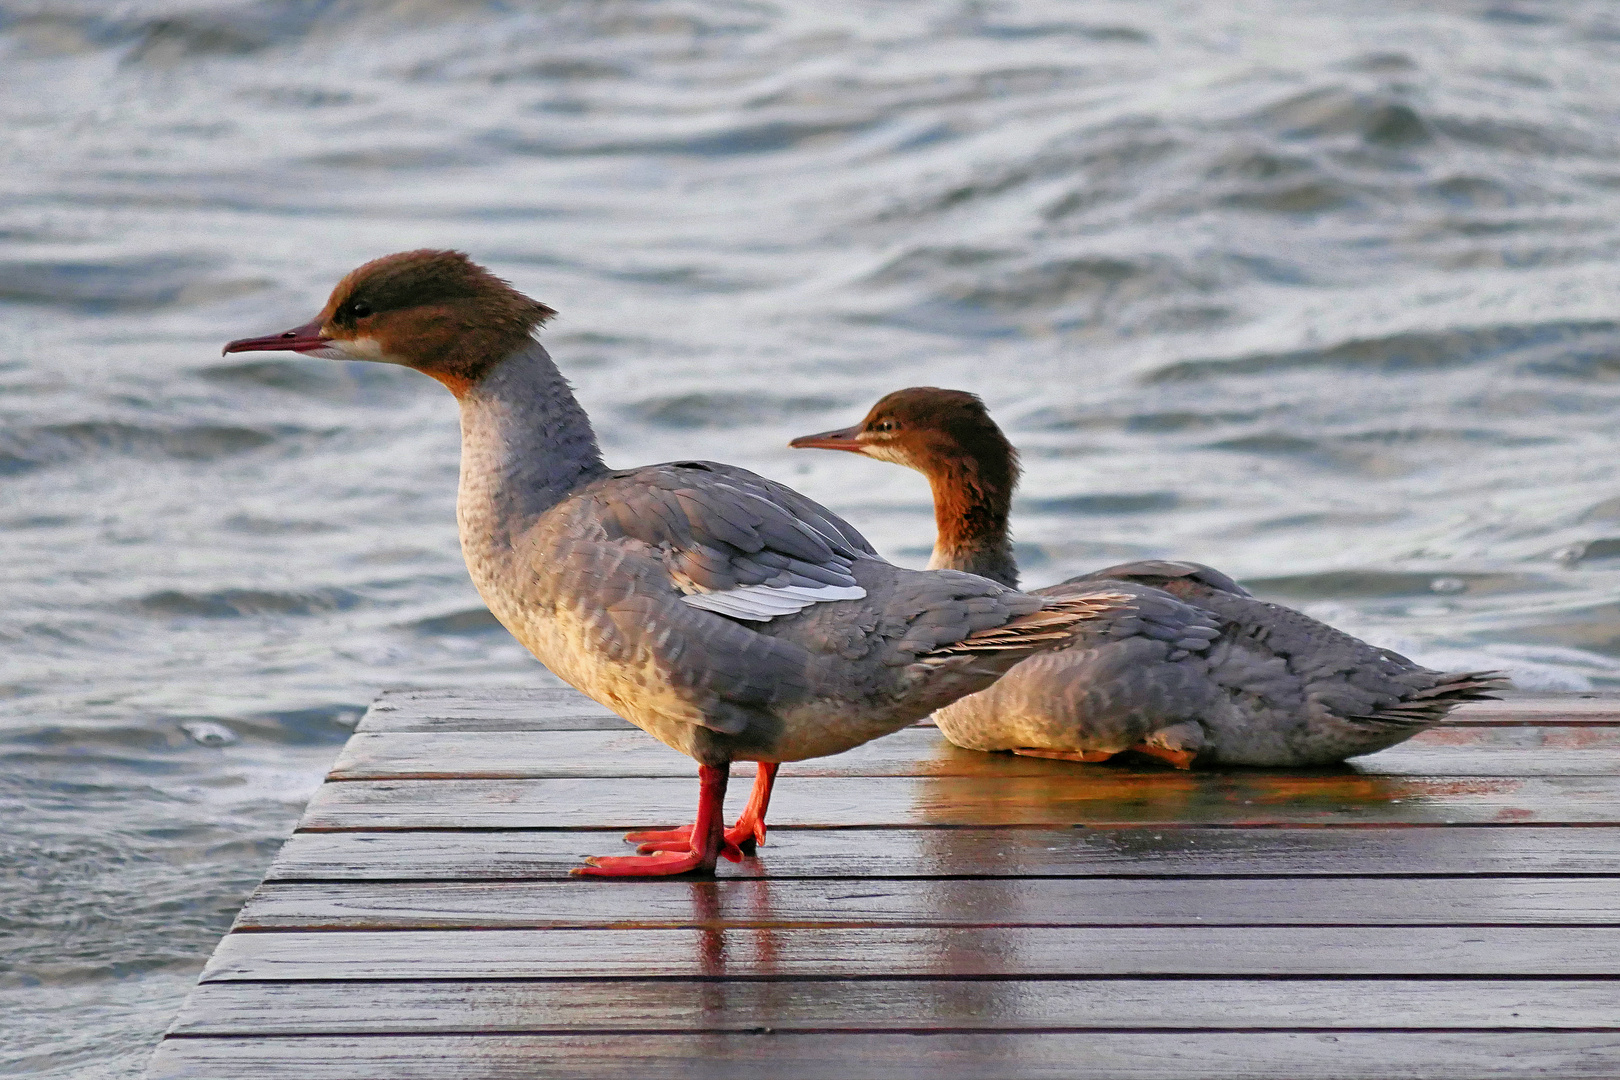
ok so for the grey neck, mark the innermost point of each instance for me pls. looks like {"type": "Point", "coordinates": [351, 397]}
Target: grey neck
{"type": "Point", "coordinates": [525, 444]}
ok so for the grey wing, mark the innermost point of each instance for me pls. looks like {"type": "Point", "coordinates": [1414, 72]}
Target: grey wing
{"type": "Point", "coordinates": [1334, 672]}
{"type": "Point", "coordinates": [818, 517]}
{"type": "Point", "coordinates": [732, 542]}
{"type": "Point", "coordinates": [1152, 615]}
{"type": "Point", "coordinates": [1165, 574]}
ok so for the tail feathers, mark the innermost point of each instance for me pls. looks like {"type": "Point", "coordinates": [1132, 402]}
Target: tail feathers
{"type": "Point", "coordinates": [1055, 624]}
{"type": "Point", "coordinates": [1430, 706]}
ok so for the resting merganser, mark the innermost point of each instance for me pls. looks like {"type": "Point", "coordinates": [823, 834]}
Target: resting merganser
{"type": "Point", "coordinates": [725, 614]}
{"type": "Point", "coordinates": [1194, 667]}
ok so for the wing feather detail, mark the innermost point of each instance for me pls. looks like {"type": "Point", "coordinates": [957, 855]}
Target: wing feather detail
{"type": "Point", "coordinates": [734, 543]}
{"type": "Point", "coordinates": [1053, 625]}
{"type": "Point", "coordinates": [761, 603]}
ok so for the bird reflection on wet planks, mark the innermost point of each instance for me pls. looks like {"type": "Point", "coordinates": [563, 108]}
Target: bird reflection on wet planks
{"type": "Point", "coordinates": [1446, 908]}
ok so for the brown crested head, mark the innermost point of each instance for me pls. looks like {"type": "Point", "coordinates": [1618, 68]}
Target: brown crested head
{"type": "Point", "coordinates": [935, 431]}
{"type": "Point", "coordinates": [436, 311]}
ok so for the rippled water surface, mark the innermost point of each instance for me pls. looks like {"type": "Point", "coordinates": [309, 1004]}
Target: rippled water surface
{"type": "Point", "coordinates": [1323, 293]}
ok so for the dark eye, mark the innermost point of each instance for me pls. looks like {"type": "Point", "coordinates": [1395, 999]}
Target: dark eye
{"type": "Point", "coordinates": [885, 425]}
{"type": "Point", "coordinates": [359, 309]}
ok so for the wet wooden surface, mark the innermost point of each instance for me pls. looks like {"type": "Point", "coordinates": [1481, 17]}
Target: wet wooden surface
{"type": "Point", "coordinates": [1448, 908]}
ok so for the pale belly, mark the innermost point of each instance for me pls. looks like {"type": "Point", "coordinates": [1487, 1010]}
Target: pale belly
{"type": "Point", "coordinates": [636, 692]}
{"type": "Point", "coordinates": [819, 731]}
{"type": "Point", "coordinates": [644, 695]}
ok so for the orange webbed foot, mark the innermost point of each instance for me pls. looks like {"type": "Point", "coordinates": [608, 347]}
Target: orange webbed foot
{"type": "Point", "coordinates": [1091, 756]}
{"type": "Point", "coordinates": [746, 835]}
{"type": "Point", "coordinates": [658, 839]}
{"type": "Point", "coordinates": [1181, 759]}
{"type": "Point", "coordinates": [742, 838]}
{"type": "Point", "coordinates": [652, 842]}
{"type": "Point", "coordinates": [663, 864]}
{"type": "Point", "coordinates": [704, 842]}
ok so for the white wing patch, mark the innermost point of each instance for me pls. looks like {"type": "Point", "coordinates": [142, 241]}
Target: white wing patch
{"type": "Point", "coordinates": [762, 603]}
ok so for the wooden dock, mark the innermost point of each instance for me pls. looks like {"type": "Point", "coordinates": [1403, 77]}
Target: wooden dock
{"type": "Point", "coordinates": [1447, 908]}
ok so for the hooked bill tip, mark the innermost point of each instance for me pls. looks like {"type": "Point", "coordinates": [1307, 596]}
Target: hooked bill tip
{"type": "Point", "coordinates": [298, 339]}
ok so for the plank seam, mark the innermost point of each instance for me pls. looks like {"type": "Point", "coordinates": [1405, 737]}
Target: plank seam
{"type": "Point", "coordinates": [890, 924]}
{"type": "Point", "coordinates": [899, 1030]}
{"type": "Point", "coordinates": [1103, 826]}
{"type": "Point", "coordinates": [1373, 875]}
{"type": "Point", "coordinates": [1377, 875]}
{"type": "Point", "coordinates": [1360, 976]}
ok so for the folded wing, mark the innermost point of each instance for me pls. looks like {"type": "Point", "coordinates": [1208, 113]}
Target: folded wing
{"type": "Point", "coordinates": [735, 543]}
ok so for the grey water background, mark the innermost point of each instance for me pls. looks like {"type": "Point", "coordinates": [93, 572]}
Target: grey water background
{"type": "Point", "coordinates": [1323, 293]}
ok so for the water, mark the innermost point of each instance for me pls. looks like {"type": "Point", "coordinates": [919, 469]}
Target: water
{"type": "Point", "coordinates": [1323, 294]}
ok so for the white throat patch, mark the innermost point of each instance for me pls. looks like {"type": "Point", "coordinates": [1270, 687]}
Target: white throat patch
{"type": "Point", "coordinates": [890, 452]}
{"type": "Point", "coordinates": [363, 348]}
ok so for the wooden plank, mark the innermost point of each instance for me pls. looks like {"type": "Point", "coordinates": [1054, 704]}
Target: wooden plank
{"type": "Point", "coordinates": [1209, 927]}
{"type": "Point", "coordinates": [1047, 1055]}
{"type": "Point", "coordinates": [302, 1008]}
{"type": "Point", "coordinates": [1510, 741]}
{"type": "Point", "coordinates": [1540, 708]}
{"type": "Point", "coordinates": [1070, 799]}
{"type": "Point", "coordinates": [936, 902]}
{"type": "Point", "coordinates": [898, 952]}
{"type": "Point", "coordinates": [511, 708]}
{"type": "Point", "coordinates": [560, 721]}
{"type": "Point", "coordinates": [1562, 750]}
{"type": "Point", "coordinates": [899, 853]}
{"type": "Point", "coordinates": [551, 707]}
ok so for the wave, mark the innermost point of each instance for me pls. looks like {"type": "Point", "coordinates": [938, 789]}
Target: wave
{"type": "Point", "coordinates": [130, 284]}
{"type": "Point", "coordinates": [1344, 584]}
{"type": "Point", "coordinates": [1412, 351]}
{"type": "Point", "coordinates": [245, 603]}
{"type": "Point", "coordinates": [467, 623]}
{"type": "Point", "coordinates": [711, 410]}
{"type": "Point", "coordinates": [1124, 502]}
{"type": "Point", "coordinates": [327, 380]}
{"type": "Point", "coordinates": [26, 449]}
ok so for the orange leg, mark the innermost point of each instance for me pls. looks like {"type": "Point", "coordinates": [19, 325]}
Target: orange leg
{"type": "Point", "coordinates": [706, 845]}
{"type": "Point", "coordinates": [745, 835]}
{"type": "Point", "coordinates": [1065, 755]}
{"type": "Point", "coordinates": [1181, 759]}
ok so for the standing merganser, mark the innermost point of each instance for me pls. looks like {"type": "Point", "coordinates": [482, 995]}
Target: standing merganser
{"type": "Point", "coordinates": [725, 614]}
{"type": "Point", "coordinates": [1194, 667]}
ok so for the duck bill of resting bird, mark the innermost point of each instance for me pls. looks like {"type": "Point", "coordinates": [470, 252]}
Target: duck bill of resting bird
{"type": "Point", "coordinates": [725, 614]}
{"type": "Point", "coordinates": [1193, 668]}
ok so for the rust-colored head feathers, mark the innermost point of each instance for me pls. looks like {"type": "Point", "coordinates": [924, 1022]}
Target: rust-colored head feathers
{"type": "Point", "coordinates": [935, 431]}
{"type": "Point", "coordinates": [436, 311]}
{"type": "Point", "coordinates": [948, 436]}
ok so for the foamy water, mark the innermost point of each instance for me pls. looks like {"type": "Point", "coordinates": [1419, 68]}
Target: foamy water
{"type": "Point", "coordinates": [1321, 294]}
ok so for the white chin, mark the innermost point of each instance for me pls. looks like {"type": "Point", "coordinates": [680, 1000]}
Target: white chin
{"type": "Point", "coordinates": [328, 353]}
{"type": "Point", "coordinates": [890, 453]}
{"type": "Point", "coordinates": [364, 348]}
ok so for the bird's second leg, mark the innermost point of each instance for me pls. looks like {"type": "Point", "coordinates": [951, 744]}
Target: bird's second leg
{"type": "Point", "coordinates": [750, 828]}
{"type": "Point", "coordinates": [745, 835]}
{"type": "Point", "coordinates": [705, 845]}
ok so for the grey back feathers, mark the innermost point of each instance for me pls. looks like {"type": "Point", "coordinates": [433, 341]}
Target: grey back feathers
{"type": "Point", "coordinates": [1239, 681]}
{"type": "Point", "coordinates": [730, 547]}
